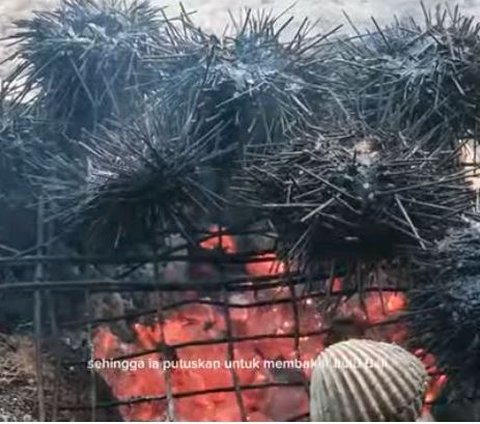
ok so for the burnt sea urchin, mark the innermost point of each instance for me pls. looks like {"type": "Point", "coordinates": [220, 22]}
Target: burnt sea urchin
{"type": "Point", "coordinates": [335, 195]}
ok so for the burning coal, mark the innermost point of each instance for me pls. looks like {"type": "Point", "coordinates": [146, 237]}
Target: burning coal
{"type": "Point", "coordinates": [262, 375]}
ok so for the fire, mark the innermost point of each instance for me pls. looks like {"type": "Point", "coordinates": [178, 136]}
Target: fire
{"type": "Point", "coordinates": [220, 240]}
{"type": "Point", "coordinates": [187, 371]}
{"type": "Point", "coordinates": [196, 323]}
{"type": "Point", "coordinates": [267, 265]}
{"type": "Point", "coordinates": [437, 380]}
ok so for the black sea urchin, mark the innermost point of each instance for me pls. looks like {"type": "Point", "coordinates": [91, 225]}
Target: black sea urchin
{"type": "Point", "coordinates": [20, 138]}
{"type": "Point", "coordinates": [343, 195]}
{"type": "Point", "coordinates": [140, 179]}
{"type": "Point", "coordinates": [445, 308]}
{"type": "Point", "coordinates": [87, 60]}
{"type": "Point", "coordinates": [259, 85]}
{"type": "Point", "coordinates": [279, 82]}
{"type": "Point", "coordinates": [424, 73]}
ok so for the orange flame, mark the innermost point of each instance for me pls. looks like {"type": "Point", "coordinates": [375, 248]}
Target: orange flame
{"type": "Point", "coordinates": [219, 240]}
{"type": "Point", "coordinates": [267, 265]}
{"type": "Point", "coordinates": [199, 323]}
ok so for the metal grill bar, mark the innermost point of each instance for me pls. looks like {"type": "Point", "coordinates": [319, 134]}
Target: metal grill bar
{"type": "Point", "coordinates": [221, 287]}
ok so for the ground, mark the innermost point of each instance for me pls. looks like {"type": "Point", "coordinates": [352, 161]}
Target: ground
{"type": "Point", "coordinates": [213, 14]}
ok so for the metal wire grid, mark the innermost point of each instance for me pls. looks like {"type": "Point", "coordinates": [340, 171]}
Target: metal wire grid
{"type": "Point", "coordinates": [40, 294]}
{"type": "Point", "coordinates": [43, 291]}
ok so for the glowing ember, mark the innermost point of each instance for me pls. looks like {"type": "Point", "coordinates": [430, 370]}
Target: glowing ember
{"type": "Point", "coordinates": [377, 317]}
{"type": "Point", "coordinates": [267, 265]}
{"type": "Point", "coordinates": [188, 371]}
{"type": "Point", "coordinates": [204, 367]}
{"type": "Point", "coordinates": [220, 240]}
{"type": "Point", "coordinates": [437, 382]}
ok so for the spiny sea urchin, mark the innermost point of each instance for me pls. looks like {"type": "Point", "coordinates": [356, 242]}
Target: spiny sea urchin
{"type": "Point", "coordinates": [344, 195]}
{"type": "Point", "coordinates": [20, 137]}
{"type": "Point", "coordinates": [87, 59]}
{"type": "Point", "coordinates": [424, 73]}
{"type": "Point", "coordinates": [257, 84]}
{"type": "Point", "coordinates": [279, 82]}
{"type": "Point", "coordinates": [140, 180]}
{"type": "Point", "coordinates": [444, 308]}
